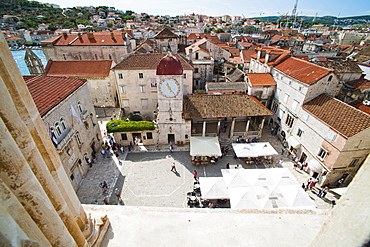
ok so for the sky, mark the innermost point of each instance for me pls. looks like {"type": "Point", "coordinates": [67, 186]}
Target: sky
{"type": "Point", "coordinates": [246, 8]}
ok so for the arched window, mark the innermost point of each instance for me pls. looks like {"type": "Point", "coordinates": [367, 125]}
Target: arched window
{"type": "Point", "coordinates": [57, 128]}
{"type": "Point", "coordinates": [110, 57]}
{"type": "Point", "coordinates": [330, 78]}
{"type": "Point", "coordinates": [79, 106]}
{"type": "Point", "coordinates": [63, 124]}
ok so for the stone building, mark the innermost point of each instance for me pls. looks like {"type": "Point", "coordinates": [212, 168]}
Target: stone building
{"type": "Point", "coordinates": [113, 45]}
{"type": "Point", "coordinates": [167, 41]}
{"type": "Point", "coordinates": [65, 107]}
{"type": "Point", "coordinates": [262, 86]}
{"type": "Point", "coordinates": [38, 204]}
{"type": "Point", "coordinates": [334, 139]}
{"type": "Point", "coordinates": [100, 78]}
{"type": "Point", "coordinates": [138, 83]}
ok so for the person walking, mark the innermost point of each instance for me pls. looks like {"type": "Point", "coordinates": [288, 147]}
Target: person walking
{"type": "Point", "coordinates": [280, 163]}
{"type": "Point", "coordinates": [195, 175]}
{"type": "Point", "coordinates": [117, 193]}
{"type": "Point", "coordinates": [173, 167]}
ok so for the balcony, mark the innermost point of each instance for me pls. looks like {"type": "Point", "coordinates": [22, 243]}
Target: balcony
{"type": "Point", "coordinates": [64, 139]}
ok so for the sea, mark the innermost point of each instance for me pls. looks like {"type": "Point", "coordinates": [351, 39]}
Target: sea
{"type": "Point", "coordinates": [19, 59]}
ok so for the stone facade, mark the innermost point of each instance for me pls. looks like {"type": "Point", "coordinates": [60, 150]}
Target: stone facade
{"type": "Point", "coordinates": [77, 142]}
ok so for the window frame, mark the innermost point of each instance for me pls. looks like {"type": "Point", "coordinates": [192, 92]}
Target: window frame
{"type": "Point", "coordinates": [322, 153]}
{"type": "Point", "coordinates": [142, 89]}
{"type": "Point", "coordinates": [141, 75]}
{"type": "Point", "coordinates": [123, 89]}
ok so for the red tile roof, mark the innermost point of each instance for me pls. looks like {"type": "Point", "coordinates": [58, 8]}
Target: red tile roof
{"type": "Point", "coordinates": [147, 61]}
{"type": "Point", "coordinates": [342, 117]}
{"type": "Point", "coordinates": [114, 38]}
{"type": "Point", "coordinates": [212, 38]}
{"type": "Point", "coordinates": [225, 105]}
{"type": "Point", "coordinates": [261, 79]}
{"type": "Point", "coordinates": [358, 104]}
{"type": "Point", "coordinates": [91, 68]}
{"type": "Point", "coordinates": [49, 91]}
{"type": "Point", "coordinates": [247, 54]}
{"type": "Point", "coordinates": [302, 70]}
{"type": "Point", "coordinates": [361, 84]}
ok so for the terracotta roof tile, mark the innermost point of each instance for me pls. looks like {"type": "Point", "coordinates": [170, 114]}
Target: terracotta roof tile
{"type": "Point", "coordinates": [302, 70]}
{"type": "Point", "coordinates": [342, 117]}
{"type": "Point", "coordinates": [341, 66]}
{"type": "Point", "coordinates": [91, 68]}
{"type": "Point", "coordinates": [147, 61]}
{"type": "Point", "coordinates": [48, 91]}
{"type": "Point", "coordinates": [360, 84]}
{"type": "Point", "coordinates": [247, 54]}
{"type": "Point", "coordinates": [97, 38]}
{"type": "Point", "coordinates": [226, 105]}
{"type": "Point", "coordinates": [358, 104]}
{"type": "Point", "coordinates": [165, 34]}
{"type": "Point", "coordinates": [261, 79]}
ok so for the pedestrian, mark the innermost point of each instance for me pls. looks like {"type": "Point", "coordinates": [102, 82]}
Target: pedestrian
{"type": "Point", "coordinates": [333, 203]}
{"type": "Point", "coordinates": [122, 149]}
{"type": "Point", "coordinates": [96, 202]}
{"type": "Point", "coordinates": [171, 149]}
{"type": "Point", "coordinates": [295, 165]}
{"type": "Point", "coordinates": [340, 181]}
{"type": "Point", "coordinates": [195, 175]}
{"type": "Point", "coordinates": [117, 193]}
{"type": "Point", "coordinates": [280, 163]}
{"type": "Point", "coordinates": [103, 153]}
{"type": "Point", "coordinates": [105, 201]}
{"type": "Point", "coordinates": [303, 186]}
{"type": "Point", "coordinates": [228, 166]}
{"type": "Point", "coordinates": [283, 151]}
{"type": "Point", "coordinates": [312, 184]}
{"type": "Point", "coordinates": [324, 192]}
{"type": "Point", "coordinates": [157, 146]}
{"type": "Point", "coordinates": [173, 167]}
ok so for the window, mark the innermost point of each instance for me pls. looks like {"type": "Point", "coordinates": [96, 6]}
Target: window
{"type": "Point", "coordinates": [274, 107]}
{"type": "Point", "coordinates": [120, 76]}
{"type": "Point", "coordinates": [281, 77]}
{"type": "Point", "coordinates": [124, 137]}
{"type": "Point", "coordinates": [96, 57]}
{"type": "Point", "coordinates": [289, 121]}
{"type": "Point", "coordinates": [57, 128]}
{"type": "Point", "coordinates": [141, 75]}
{"type": "Point", "coordinates": [64, 57]}
{"type": "Point", "coordinates": [125, 103]}
{"type": "Point", "coordinates": [153, 83]}
{"type": "Point", "coordinates": [196, 70]}
{"type": "Point", "coordinates": [354, 162]}
{"type": "Point", "coordinates": [110, 58]}
{"type": "Point", "coordinates": [294, 105]}
{"type": "Point", "coordinates": [299, 133]}
{"type": "Point", "coordinates": [305, 117]}
{"type": "Point", "coordinates": [62, 123]}
{"type": "Point", "coordinates": [331, 136]}
{"type": "Point", "coordinates": [142, 89]}
{"type": "Point", "coordinates": [123, 89]}
{"type": "Point", "coordinates": [149, 135]}
{"type": "Point", "coordinates": [265, 90]}
{"type": "Point", "coordinates": [322, 154]}
{"type": "Point", "coordinates": [300, 89]}
{"type": "Point", "coordinates": [184, 75]}
{"type": "Point", "coordinates": [78, 139]}
{"type": "Point", "coordinates": [330, 78]}
{"type": "Point", "coordinates": [286, 97]}
{"type": "Point", "coordinates": [290, 83]}
{"type": "Point", "coordinates": [72, 177]}
{"type": "Point", "coordinates": [79, 106]}
{"type": "Point", "coordinates": [144, 102]}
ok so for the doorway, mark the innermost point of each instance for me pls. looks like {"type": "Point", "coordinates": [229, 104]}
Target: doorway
{"type": "Point", "coordinates": [136, 138]}
{"type": "Point", "coordinates": [171, 138]}
{"type": "Point", "coordinates": [303, 158]}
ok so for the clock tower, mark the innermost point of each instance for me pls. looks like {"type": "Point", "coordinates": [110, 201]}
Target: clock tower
{"type": "Point", "coordinates": [171, 126]}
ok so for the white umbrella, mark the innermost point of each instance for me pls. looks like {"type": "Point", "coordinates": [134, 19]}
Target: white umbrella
{"type": "Point", "coordinates": [204, 146]}
{"type": "Point", "coordinates": [213, 188]}
{"type": "Point", "coordinates": [244, 150]}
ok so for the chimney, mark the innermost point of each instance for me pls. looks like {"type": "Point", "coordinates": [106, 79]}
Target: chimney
{"type": "Point", "coordinates": [111, 34]}
{"type": "Point", "coordinates": [90, 35]}
{"type": "Point", "coordinates": [79, 35]}
{"type": "Point", "coordinates": [267, 56]}
{"type": "Point", "coordinates": [258, 54]}
{"type": "Point", "coordinates": [65, 35]}
{"type": "Point", "coordinates": [190, 55]}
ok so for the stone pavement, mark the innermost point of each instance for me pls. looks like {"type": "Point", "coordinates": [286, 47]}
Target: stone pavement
{"type": "Point", "coordinates": [145, 179]}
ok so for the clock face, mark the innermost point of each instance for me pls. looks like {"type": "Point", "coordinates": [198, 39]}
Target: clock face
{"type": "Point", "coordinates": [169, 88]}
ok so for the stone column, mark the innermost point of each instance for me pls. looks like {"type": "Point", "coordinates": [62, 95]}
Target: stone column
{"type": "Point", "coordinates": [247, 126]}
{"type": "Point", "coordinates": [218, 126]}
{"type": "Point", "coordinates": [232, 127]}
{"type": "Point", "coordinates": [204, 127]}
{"type": "Point", "coordinates": [34, 152]}
{"type": "Point", "coordinates": [261, 126]}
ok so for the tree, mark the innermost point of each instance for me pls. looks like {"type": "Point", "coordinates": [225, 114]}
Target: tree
{"type": "Point", "coordinates": [257, 21]}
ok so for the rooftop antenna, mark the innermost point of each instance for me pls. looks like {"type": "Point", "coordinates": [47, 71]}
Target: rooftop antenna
{"type": "Point", "coordinates": [294, 13]}
{"type": "Point", "coordinates": [314, 19]}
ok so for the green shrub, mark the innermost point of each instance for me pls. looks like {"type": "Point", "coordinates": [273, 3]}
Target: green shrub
{"type": "Point", "coordinates": [118, 125]}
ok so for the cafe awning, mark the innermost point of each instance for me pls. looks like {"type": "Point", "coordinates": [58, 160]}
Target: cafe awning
{"type": "Point", "coordinates": [254, 149]}
{"type": "Point", "coordinates": [293, 142]}
{"type": "Point", "coordinates": [204, 146]}
{"type": "Point", "coordinates": [315, 166]}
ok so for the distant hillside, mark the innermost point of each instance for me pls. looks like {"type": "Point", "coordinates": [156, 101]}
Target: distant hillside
{"type": "Point", "coordinates": [328, 20]}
